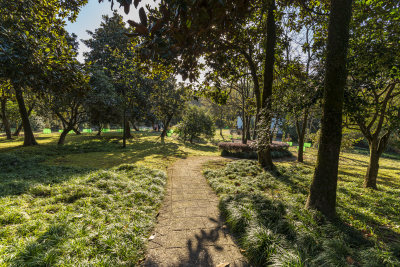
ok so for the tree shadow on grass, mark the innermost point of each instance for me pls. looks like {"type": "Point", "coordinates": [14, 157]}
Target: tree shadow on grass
{"type": "Point", "coordinates": [45, 250]}
{"type": "Point", "coordinates": [271, 215]}
{"type": "Point", "coordinates": [20, 181]}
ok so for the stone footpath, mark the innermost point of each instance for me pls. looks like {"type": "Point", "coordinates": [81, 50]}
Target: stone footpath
{"type": "Point", "coordinates": [190, 231]}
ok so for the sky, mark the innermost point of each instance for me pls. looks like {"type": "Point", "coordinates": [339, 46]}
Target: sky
{"type": "Point", "coordinates": [90, 17]}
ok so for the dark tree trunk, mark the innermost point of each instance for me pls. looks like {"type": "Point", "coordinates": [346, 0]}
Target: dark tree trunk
{"type": "Point", "coordinates": [76, 131]}
{"type": "Point", "coordinates": [4, 117]}
{"type": "Point", "coordinates": [322, 195]}
{"type": "Point", "coordinates": [134, 126]}
{"type": "Point", "coordinates": [127, 130]}
{"type": "Point", "coordinates": [373, 166]}
{"type": "Point", "coordinates": [221, 126]}
{"type": "Point", "coordinates": [255, 127]}
{"type": "Point", "coordinates": [376, 148]}
{"type": "Point", "coordinates": [165, 129]}
{"type": "Point", "coordinates": [248, 136]}
{"type": "Point", "coordinates": [264, 155]}
{"type": "Point", "coordinates": [244, 126]}
{"type": "Point", "coordinates": [19, 128]}
{"type": "Point", "coordinates": [29, 138]}
{"type": "Point", "coordinates": [63, 135]}
{"type": "Point", "coordinates": [301, 131]}
{"type": "Point", "coordinates": [99, 131]}
{"type": "Point", "coordinates": [124, 130]}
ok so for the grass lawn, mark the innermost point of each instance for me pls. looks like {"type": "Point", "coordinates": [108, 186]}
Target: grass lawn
{"type": "Point", "coordinates": [89, 202]}
{"type": "Point", "coordinates": [266, 212]}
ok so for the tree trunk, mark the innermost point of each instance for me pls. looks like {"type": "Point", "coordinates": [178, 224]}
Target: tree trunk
{"type": "Point", "coordinates": [373, 166]}
{"type": "Point", "coordinates": [76, 131]}
{"type": "Point", "coordinates": [248, 120]}
{"type": "Point", "coordinates": [124, 130]}
{"type": "Point", "coordinates": [244, 126]}
{"type": "Point", "coordinates": [63, 135]}
{"type": "Point", "coordinates": [134, 126]}
{"type": "Point", "coordinates": [19, 128]}
{"type": "Point", "coordinates": [99, 131]}
{"type": "Point", "coordinates": [6, 123]}
{"type": "Point", "coordinates": [322, 195]}
{"type": "Point", "coordinates": [300, 153]}
{"type": "Point", "coordinates": [301, 131]}
{"type": "Point", "coordinates": [265, 158]}
{"type": "Point", "coordinates": [255, 127]}
{"type": "Point", "coordinates": [264, 155]}
{"type": "Point", "coordinates": [165, 129]}
{"type": "Point", "coordinates": [127, 130]}
{"type": "Point", "coordinates": [29, 138]}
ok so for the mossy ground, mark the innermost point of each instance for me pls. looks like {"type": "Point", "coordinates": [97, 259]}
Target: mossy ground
{"type": "Point", "coordinates": [266, 211]}
{"type": "Point", "coordinates": [76, 204]}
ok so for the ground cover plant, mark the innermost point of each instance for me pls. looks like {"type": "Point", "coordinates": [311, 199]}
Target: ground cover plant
{"type": "Point", "coordinates": [266, 212]}
{"type": "Point", "coordinates": [89, 202]}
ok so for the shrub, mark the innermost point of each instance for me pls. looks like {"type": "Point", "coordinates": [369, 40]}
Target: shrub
{"type": "Point", "coordinates": [195, 123]}
{"type": "Point", "coordinates": [249, 151]}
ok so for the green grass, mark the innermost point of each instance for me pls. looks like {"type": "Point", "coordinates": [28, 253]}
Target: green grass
{"type": "Point", "coordinates": [101, 218]}
{"type": "Point", "coordinates": [266, 212]}
{"type": "Point", "coordinates": [89, 202]}
{"type": "Point", "coordinates": [90, 151]}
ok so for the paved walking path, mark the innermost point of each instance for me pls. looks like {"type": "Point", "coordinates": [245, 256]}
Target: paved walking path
{"type": "Point", "coordinates": [190, 231]}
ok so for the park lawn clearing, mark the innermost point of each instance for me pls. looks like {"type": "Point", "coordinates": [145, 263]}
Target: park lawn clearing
{"type": "Point", "coordinates": [100, 218]}
{"type": "Point", "coordinates": [266, 212]}
{"type": "Point", "coordinates": [76, 204]}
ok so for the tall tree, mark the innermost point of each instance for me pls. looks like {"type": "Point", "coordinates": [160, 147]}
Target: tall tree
{"type": "Point", "coordinates": [373, 96]}
{"type": "Point", "coordinates": [31, 34]}
{"type": "Point", "coordinates": [103, 103]}
{"type": "Point", "coordinates": [322, 194]}
{"type": "Point", "coordinates": [264, 150]}
{"type": "Point", "coordinates": [182, 32]}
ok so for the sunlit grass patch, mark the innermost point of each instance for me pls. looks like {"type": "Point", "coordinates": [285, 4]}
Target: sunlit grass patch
{"type": "Point", "coordinates": [266, 212]}
{"type": "Point", "coordinates": [91, 151]}
{"type": "Point", "coordinates": [101, 218]}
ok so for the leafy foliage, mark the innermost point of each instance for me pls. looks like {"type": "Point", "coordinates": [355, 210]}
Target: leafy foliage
{"type": "Point", "coordinates": [103, 103]}
{"type": "Point", "coordinates": [195, 123]}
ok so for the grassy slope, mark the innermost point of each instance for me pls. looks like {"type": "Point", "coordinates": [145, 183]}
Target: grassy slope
{"type": "Point", "coordinates": [77, 204]}
{"type": "Point", "coordinates": [267, 212]}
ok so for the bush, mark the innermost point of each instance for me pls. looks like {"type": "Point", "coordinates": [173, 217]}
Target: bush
{"type": "Point", "coordinates": [195, 123]}
{"type": "Point", "coordinates": [249, 151]}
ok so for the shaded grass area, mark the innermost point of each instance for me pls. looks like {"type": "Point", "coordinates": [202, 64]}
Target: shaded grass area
{"type": "Point", "coordinates": [76, 204]}
{"type": "Point", "coordinates": [266, 212]}
{"type": "Point", "coordinates": [101, 218]}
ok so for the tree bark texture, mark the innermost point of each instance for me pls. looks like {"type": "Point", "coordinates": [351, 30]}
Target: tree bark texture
{"type": "Point", "coordinates": [301, 131]}
{"type": "Point", "coordinates": [322, 195]}
{"type": "Point", "coordinates": [264, 155]}
{"type": "Point", "coordinates": [4, 117]}
{"type": "Point", "coordinates": [29, 138]}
